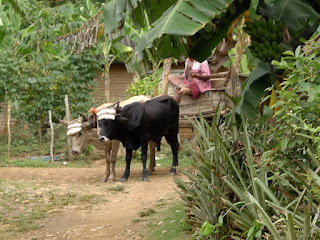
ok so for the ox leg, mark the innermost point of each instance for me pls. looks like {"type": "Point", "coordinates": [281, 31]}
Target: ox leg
{"type": "Point", "coordinates": [113, 159]}
{"type": "Point", "coordinates": [174, 144]}
{"type": "Point", "coordinates": [128, 163]}
{"type": "Point", "coordinates": [152, 156]}
{"type": "Point", "coordinates": [144, 152]}
{"type": "Point", "coordinates": [107, 174]}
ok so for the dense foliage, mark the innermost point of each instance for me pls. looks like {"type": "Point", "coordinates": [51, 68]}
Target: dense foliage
{"type": "Point", "coordinates": [297, 108]}
{"type": "Point", "coordinates": [259, 179]}
{"type": "Point", "coordinates": [36, 70]}
{"type": "Point", "coordinates": [145, 85]}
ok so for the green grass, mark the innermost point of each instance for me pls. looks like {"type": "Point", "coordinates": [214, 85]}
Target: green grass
{"type": "Point", "coordinates": [168, 224]}
{"type": "Point", "coordinates": [43, 164]}
{"type": "Point", "coordinates": [118, 188]}
{"type": "Point", "coordinates": [25, 145]}
{"type": "Point", "coordinates": [165, 156]}
{"type": "Point", "coordinates": [147, 213]}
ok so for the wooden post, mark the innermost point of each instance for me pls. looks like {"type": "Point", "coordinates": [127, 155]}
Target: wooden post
{"type": "Point", "coordinates": [40, 132]}
{"type": "Point", "coordinates": [8, 128]}
{"type": "Point", "coordinates": [52, 135]}
{"type": "Point", "coordinates": [107, 81]}
{"type": "Point", "coordinates": [165, 73]}
{"type": "Point", "coordinates": [67, 118]}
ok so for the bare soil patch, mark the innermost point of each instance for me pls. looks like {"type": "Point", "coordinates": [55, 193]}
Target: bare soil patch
{"type": "Point", "coordinates": [112, 217]}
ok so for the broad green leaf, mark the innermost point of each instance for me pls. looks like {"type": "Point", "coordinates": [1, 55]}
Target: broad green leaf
{"type": "Point", "coordinates": [253, 89]}
{"type": "Point", "coordinates": [121, 48]}
{"type": "Point", "coordinates": [113, 13]}
{"type": "Point", "coordinates": [208, 37]}
{"type": "Point", "coordinates": [298, 15]}
{"type": "Point", "coordinates": [186, 18]}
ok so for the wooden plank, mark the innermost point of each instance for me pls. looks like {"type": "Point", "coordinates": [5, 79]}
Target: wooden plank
{"type": "Point", "coordinates": [218, 79]}
{"type": "Point", "coordinates": [219, 74]}
{"type": "Point", "coordinates": [207, 101]}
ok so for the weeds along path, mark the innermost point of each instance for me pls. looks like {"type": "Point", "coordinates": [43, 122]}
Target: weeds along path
{"type": "Point", "coordinates": [77, 205]}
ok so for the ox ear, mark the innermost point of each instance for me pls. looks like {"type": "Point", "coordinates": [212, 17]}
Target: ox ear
{"type": "Point", "coordinates": [123, 119]}
{"type": "Point", "coordinates": [84, 117]}
{"type": "Point", "coordinates": [63, 122]}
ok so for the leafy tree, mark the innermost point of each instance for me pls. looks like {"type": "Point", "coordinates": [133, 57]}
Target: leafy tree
{"type": "Point", "coordinates": [37, 72]}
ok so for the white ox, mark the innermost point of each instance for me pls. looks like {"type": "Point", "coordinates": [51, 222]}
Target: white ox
{"type": "Point", "coordinates": [84, 132]}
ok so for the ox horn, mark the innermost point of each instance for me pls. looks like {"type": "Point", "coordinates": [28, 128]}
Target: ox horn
{"type": "Point", "coordinates": [63, 122]}
{"type": "Point", "coordinates": [118, 108]}
{"type": "Point", "coordinates": [84, 116]}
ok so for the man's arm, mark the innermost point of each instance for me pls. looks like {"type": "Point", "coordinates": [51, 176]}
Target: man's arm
{"type": "Point", "coordinates": [200, 76]}
{"type": "Point", "coordinates": [181, 76]}
{"type": "Point", "coordinates": [204, 74]}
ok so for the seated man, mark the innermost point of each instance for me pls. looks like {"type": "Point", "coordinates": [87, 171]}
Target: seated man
{"type": "Point", "coordinates": [193, 81]}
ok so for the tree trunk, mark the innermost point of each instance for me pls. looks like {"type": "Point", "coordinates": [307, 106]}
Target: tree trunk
{"type": "Point", "coordinates": [67, 118]}
{"type": "Point", "coordinates": [52, 135]}
{"type": "Point", "coordinates": [165, 73]}
{"type": "Point", "coordinates": [40, 132]}
{"type": "Point", "coordinates": [107, 81]}
{"type": "Point", "coordinates": [8, 128]}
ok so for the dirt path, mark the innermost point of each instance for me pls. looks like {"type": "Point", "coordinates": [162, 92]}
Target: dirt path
{"type": "Point", "coordinates": [110, 219]}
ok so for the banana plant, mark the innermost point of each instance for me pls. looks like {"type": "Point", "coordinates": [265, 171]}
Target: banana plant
{"type": "Point", "coordinates": [301, 19]}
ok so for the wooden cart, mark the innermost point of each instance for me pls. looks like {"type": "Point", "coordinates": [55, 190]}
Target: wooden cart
{"type": "Point", "coordinates": [222, 83]}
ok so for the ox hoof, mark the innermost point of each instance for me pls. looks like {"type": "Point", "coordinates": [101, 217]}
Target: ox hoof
{"type": "Point", "coordinates": [104, 179]}
{"type": "Point", "coordinates": [124, 180]}
{"type": "Point", "coordinates": [171, 174]}
{"type": "Point", "coordinates": [111, 179]}
{"type": "Point", "coordinates": [150, 171]}
{"type": "Point", "coordinates": [144, 179]}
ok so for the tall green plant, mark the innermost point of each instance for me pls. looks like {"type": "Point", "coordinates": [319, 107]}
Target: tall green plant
{"type": "Point", "coordinates": [231, 183]}
{"type": "Point", "coordinates": [145, 85]}
{"type": "Point", "coordinates": [297, 120]}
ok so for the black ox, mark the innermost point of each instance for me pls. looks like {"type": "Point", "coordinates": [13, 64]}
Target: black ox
{"type": "Point", "coordinates": [137, 123]}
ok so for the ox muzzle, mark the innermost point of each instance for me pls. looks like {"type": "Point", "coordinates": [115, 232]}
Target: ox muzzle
{"type": "Point", "coordinates": [103, 138]}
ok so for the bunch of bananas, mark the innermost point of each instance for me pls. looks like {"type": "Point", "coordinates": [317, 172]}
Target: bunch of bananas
{"type": "Point", "coordinates": [266, 38]}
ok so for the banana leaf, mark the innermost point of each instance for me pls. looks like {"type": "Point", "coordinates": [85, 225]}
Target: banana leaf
{"type": "Point", "coordinates": [253, 90]}
{"type": "Point", "coordinates": [299, 16]}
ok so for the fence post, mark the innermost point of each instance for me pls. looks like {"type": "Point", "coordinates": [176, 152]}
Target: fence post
{"type": "Point", "coordinates": [8, 128]}
{"type": "Point", "coordinates": [165, 73]}
{"type": "Point", "coordinates": [52, 135]}
{"type": "Point", "coordinates": [66, 101]}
